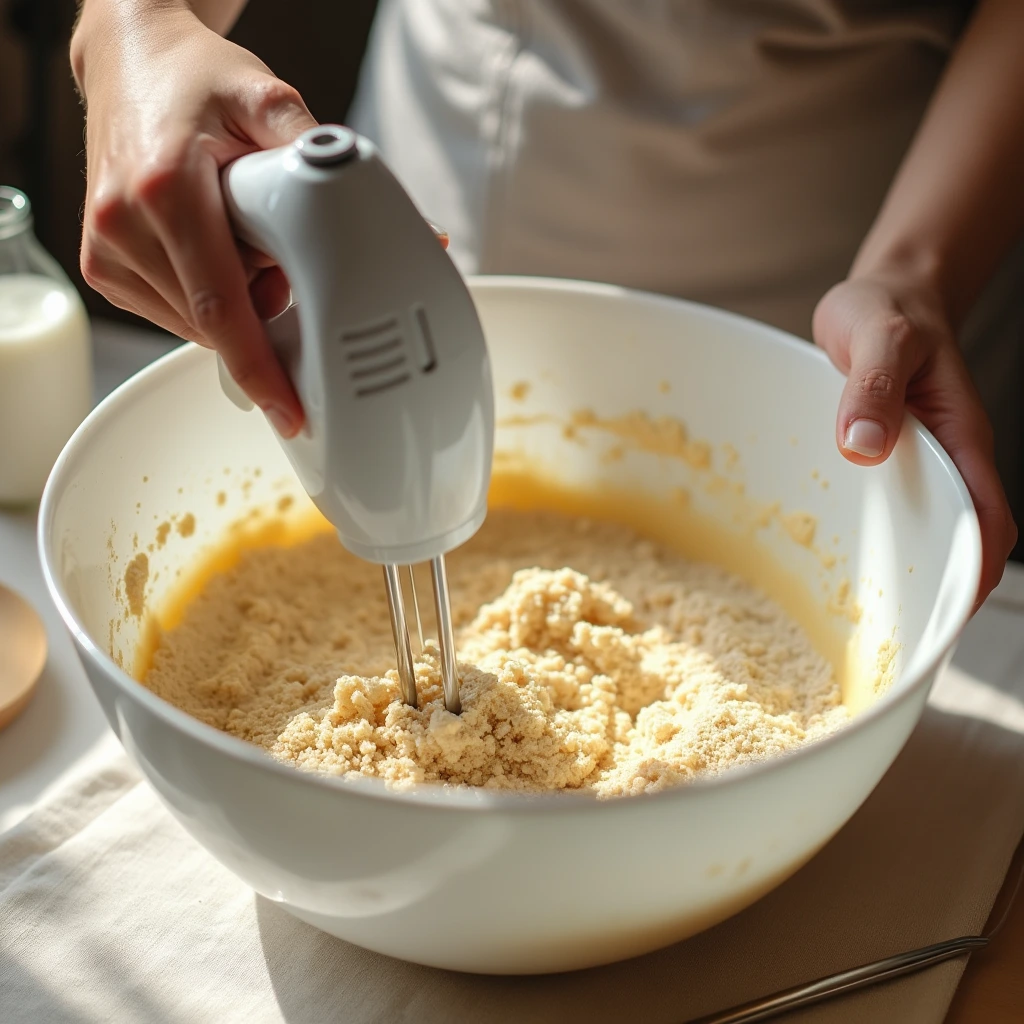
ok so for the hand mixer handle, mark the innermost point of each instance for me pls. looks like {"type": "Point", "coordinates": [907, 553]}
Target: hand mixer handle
{"type": "Point", "coordinates": [383, 345]}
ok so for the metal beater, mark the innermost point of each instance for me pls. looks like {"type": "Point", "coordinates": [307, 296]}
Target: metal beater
{"type": "Point", "coordinates": [387, 354]}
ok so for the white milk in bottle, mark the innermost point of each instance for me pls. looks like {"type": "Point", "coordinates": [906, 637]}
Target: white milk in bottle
{"type": "Point", "coordinates": [45, 356]}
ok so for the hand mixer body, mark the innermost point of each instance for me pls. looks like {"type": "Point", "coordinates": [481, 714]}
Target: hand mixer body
{"type": "Point", "coordinates": [387, 354]}
{"type": "Point", "coordinates": [383, 345]}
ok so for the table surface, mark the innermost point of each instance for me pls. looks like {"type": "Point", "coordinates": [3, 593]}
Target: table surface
{"type": "Point", "coordinates": [64, 721]}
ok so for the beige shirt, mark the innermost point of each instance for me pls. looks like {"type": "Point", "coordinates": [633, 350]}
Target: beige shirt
{"type": "Point", "coordinates": [730, 152]}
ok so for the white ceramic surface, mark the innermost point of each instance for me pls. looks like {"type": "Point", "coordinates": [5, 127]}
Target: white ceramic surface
{"type": "Point", "coordinates": [493, 882]}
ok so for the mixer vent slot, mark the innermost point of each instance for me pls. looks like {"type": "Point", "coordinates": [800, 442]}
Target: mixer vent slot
{"type": "Point", "coordinates": [370, 330]}
{"type": "Point", "coordinates": [370, 351]}
{"type": "Point", "coordinates": [383, 385]}
{"type": "Point", "coordinates": [376, 356]}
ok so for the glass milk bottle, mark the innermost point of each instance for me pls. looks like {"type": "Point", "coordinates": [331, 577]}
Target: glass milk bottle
{"type": "Point", "coordinates": [45, 356]}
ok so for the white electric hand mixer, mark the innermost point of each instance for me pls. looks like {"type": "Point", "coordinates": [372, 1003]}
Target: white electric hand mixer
{"type": "Point", "coordinates": [388, 357]}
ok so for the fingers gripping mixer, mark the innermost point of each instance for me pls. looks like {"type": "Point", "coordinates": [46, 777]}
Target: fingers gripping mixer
{"type": "Point", "coordinates": [386, 353]}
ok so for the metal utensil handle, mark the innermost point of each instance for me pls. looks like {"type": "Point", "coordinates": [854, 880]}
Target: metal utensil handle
{"type": "Point", "coordinates": [847, 981]}
{"type": "Point", "coordinates": [879, 970]}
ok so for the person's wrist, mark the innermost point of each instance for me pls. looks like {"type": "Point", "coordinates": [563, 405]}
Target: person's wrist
{"type": "Point", "coordinates": [105, 27]}
{"type": "Point", "coordinates": [93, 26]}
{"type": "Point", "coordinates": [909, 267]}
{"type": "Point", "coordinates": [911, 263]}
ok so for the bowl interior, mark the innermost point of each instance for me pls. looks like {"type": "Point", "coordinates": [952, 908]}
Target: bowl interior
{"type": "Point", "coordinates": [167, 466]}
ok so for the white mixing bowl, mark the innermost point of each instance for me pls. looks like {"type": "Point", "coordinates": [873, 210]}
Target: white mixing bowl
{"type": "Point", "coordinates": [498, 882]}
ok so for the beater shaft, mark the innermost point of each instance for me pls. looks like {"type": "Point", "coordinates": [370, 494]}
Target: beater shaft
{"type": "Point", "coordinates": [400, 631]}
{"type": "Point", "coordinates": [445, 636]}
{"type": "Point", "coordinates": [416, 606]}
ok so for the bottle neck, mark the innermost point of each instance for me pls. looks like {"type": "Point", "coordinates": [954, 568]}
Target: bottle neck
{"type": "Point", "coordinates": [15, 214]}
{"type": "Point", "coordinates": [20, 251]}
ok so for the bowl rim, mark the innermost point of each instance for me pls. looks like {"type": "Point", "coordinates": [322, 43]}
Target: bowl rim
{"type": "Point", "coordinates": [463, 799]}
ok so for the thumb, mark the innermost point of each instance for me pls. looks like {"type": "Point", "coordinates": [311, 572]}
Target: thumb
{"type": "Point", "coordinates": [274, 114]}
{"type": "Point", "coordinates": [884, 355]}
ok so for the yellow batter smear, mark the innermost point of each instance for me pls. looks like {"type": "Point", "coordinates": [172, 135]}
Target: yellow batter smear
{"type": "Point", "coordinates": [801, 526]}
{"type": "Point", "coordinates": [135, 578]}
{"type": "Point", "coordinates": [662, 435]}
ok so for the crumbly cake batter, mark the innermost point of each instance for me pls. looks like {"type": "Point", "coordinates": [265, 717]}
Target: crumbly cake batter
{"type": "Point", "coordinates": [631, 671]}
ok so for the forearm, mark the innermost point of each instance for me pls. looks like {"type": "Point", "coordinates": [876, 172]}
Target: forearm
{"type": "Point", "coordinates": [105, 23]}
{"type": "Point", "coordinates": [957, 203]}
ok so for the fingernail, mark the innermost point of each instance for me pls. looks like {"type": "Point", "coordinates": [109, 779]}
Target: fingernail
{"type": "Point", "coordinates": [280, 420]}
{"type": "Point", "coordinates": [442, 235]}
{"type": "Point", "coordinates": [865, 437]}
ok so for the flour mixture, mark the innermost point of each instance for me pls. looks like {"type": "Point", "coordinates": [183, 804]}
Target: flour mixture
{"type": "Point", "coordinates": [590, 659]}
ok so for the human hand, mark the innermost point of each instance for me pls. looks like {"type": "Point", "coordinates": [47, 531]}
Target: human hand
{"type": "Point", "coordinates": [892, 338]}
{"type": "Point", "coordinates": [170, 102]}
